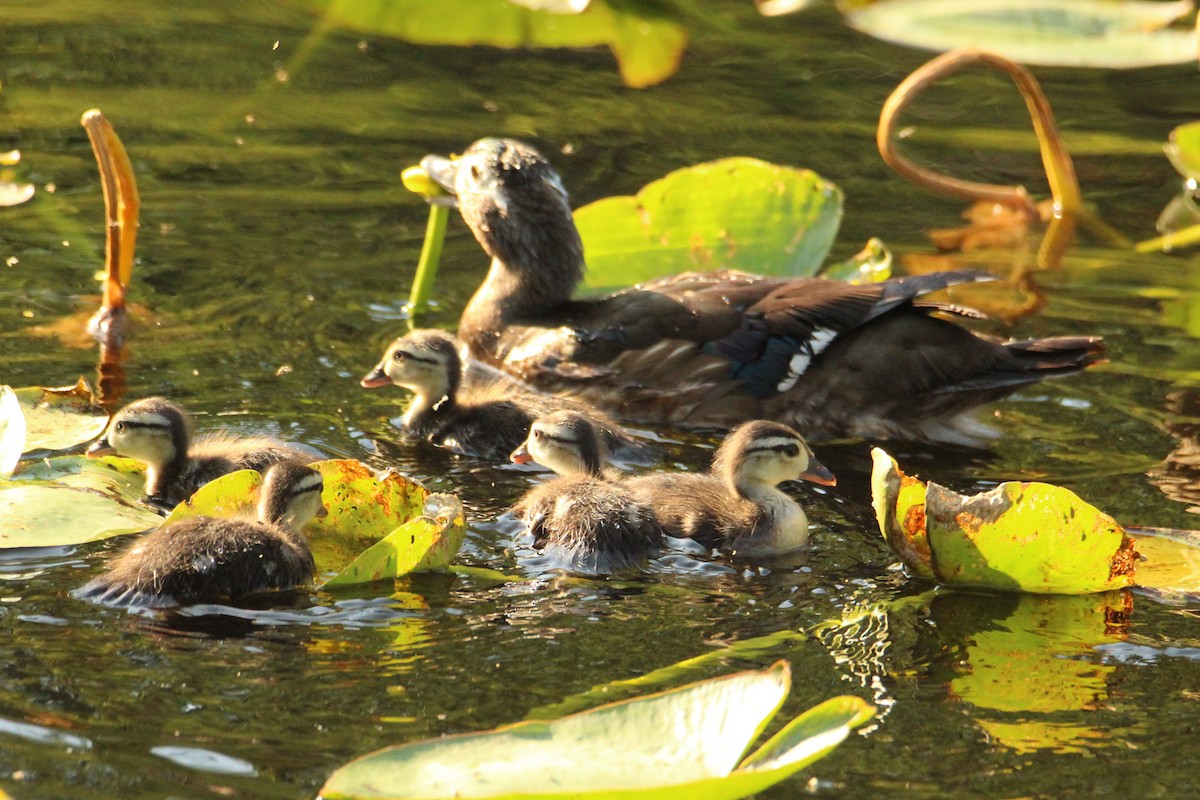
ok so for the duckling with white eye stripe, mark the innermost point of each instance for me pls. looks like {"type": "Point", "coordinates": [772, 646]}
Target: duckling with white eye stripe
{"type": "Point", "coordinates": [485, 417]}
{"type": "Point", "coordinates": [158, 433]}
{"type": "Point", "coordinates": [205, 558]}
{"type": "Point", "coordinates": [737, 506]}
{"type": "Point", "coordinates": [582, 519]}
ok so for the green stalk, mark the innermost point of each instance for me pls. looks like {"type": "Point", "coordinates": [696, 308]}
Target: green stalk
{"type": "Point", "coordinates": [431, 254]}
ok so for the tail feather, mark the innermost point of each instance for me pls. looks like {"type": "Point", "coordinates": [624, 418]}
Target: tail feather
{"type": "Point", "coordinates": [1033, 360]}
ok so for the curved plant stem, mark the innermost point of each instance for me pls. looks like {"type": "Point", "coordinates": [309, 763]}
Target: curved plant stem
{"type": "Point", "coordinates": [1060, 172]}
{"type": "Point", "coordinates": [431, 254]}
{"type": "Point", "coordinates": [121, 206]}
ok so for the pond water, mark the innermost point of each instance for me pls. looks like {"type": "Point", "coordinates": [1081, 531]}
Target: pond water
{"type": "Point", "coordinates": [275, 234]}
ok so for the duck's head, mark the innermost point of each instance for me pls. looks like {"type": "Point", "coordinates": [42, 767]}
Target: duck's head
{"type": "Point", "coordinates": [564, 441]}
{"type": "Point", "coordinates": [763, 453]}
{"type": "Point", "coordinates": [154, 431]}
{"type": "Point", "coordinates": [425, 362]}
{"type": "Point", "coordinates": [290, 496]}
{"type": "Point", "coordinates": [514, 203]}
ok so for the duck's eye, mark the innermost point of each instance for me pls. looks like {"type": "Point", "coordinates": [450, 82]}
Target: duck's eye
{"type": "Point", "coordinates": [119, 427]}
{"type": "Point", "coordinates": [791, 450]}
{"type": "Point", "coordinates": [399, 355]}
{"type": "Point", "coordinates": [538, 434]}
{"type": "Point", "coordinates": [474, 172]}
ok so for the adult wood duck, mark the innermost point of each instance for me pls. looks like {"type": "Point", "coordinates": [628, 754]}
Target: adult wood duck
{"type": "Point", "coordinates": [582, 519]}
{"type": "Point", "coordinates": [486, 418]}
{"type": "Point", "coordinates": [158, 433]}
{"type": "Point", "coordinates": [718, 348]}
{"type": "Point", "coordinates": [737, 506]}
{"type": "Point", "coordinates": [202, 558]}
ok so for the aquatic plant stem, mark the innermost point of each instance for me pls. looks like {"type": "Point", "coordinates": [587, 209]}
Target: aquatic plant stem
{"type": "Point", "coordinates": [121, 205]}
{"type": "Point", "coordinates": [431, 254]}
{"type": "Point", "coordinates": [1060, 171]}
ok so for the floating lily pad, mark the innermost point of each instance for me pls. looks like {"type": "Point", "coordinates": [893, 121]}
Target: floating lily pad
{"type": "Point", "coordinates": [230, 495]}
{"type": "Point", "coordinates": [60, 418]}
{"type": "Point", "coordinates": [648, 45]}
{"type": "Point", "coordinates": [73, 499]}
{"type": "Point", "coordinates": [12, 431]}
{"type": "Point", "coordinates": [429, 542]}
{"type": "Point", "coordinates": [682, 743]}
{"type": "Point", "coordinates": [1026, 537]}
{"type": "Point", "coordinates": [872, 264]}
{"type": "Point", "coordinates": [1170, 565]}
{"type": "Point", "coordinates": [1066, 33]}
{"type": "Point", "coordinates": [735, 213]}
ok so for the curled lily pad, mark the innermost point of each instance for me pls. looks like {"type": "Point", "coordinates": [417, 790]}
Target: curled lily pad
{"type": "Point", "coordinates": [73, 499]}
{"type": "Point", "coordinates": [1026, 537]}
{"type": "Point", "coordinates": [735, 213]}
{"type": "Point", "coordinates": [60, 418]}
{"type": "Point", "coordinates": [12, 431]}
{"type": "Point", "coordinates": [1065, 33]}
{"type": "Point", "coordinates": [685, 742]}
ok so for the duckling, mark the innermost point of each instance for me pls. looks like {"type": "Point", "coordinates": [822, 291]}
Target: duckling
{"type": "Point", "coordinates": [481, 417]}
{"type": "Point", "coordinates": [582, 518]}
{"type": "Point", "coordinates": [203, 558]}
{"type": "Point", "coordinates": [737, 507]}
{"type": "Point", "coordinates": [718, 348]}
{"type": "Point", "coordinates": [157, 432]}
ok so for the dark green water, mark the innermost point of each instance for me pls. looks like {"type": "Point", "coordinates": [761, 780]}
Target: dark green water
{"type": "Point", "coordinates": [275, 233]}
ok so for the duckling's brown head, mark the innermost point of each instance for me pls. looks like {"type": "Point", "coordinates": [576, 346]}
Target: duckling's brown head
{"type": "Point", "coordinates": [154, 431]}
{"type": "Point", "coordinates": [290, 496]}
{"type": "Point", "coordinates": [426, 362]}
{"type": "Point", "coordinates": [764, 453]}
{"type": "Point", "coordinates": [564, 441]}
{"type": "Point", "coordinates": [515, 204]}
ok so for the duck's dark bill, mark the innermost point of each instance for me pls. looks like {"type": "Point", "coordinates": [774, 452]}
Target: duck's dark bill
{"type": "Point", "coordinates": [818, 473]}
{"type": "Point", "coordinates": [374, 379]}
{"type": "Point", "coordinates": [444, 172]}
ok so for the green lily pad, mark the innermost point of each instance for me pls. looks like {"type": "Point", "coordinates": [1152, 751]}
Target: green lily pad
{"type": "Point", "coordinates": [428, 542]}
{"type": "Point", "coordinates": [682, 743]}
{"type": "Point", "coordinates": [1026, 537]}
{"type": "Point", "coordinates": [233, 494]}
{"type": "Point", "coordinates": [648, 45]}
{"type": "Point", "coordinates": [12, 431]}
{"type": "Point", "coordinates": [59, 418]}
{"type": "Point", "coordinates": [735, 213]}
{"type": "Point", "coordinates": [1079, 33]}
{"type": "Point", "coordinates": [71, 500]}
{"type": "Point", "coordinates": [1183, 149]}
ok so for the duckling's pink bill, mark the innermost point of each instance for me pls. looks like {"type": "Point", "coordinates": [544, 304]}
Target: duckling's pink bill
{"type": "Point", "coordinates": [818, 473]}
{"type": "Point", "coordinates": [374, 379]}
{"type": "Point", "coordinates": [101, 448]}
{"type": "Point", "coordinates": [520, 455]}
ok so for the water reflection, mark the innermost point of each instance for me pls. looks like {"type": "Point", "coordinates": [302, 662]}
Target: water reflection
{"type": "Point", "coordinates": [1179, 475]}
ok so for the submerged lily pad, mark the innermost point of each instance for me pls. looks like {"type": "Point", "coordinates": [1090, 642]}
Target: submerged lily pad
{"type": "Point", "coordinates": [59, 418]}
{"type": "Point", "coordinates": [735, 213]}
{"type": "Point", "coordinates": [682, 743]}
{"type": "Point", "coordinates": [1026, 537]}
{"type": "Point", "coordinates": [71, 500]}
{"type": "Point", "coordinates": [647, 44]}
{"type": "Point", "coordinates": [1170, 565]}
{"type": "Point", "coordinates": [1065, 33]}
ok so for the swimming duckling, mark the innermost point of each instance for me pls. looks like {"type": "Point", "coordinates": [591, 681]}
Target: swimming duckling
{"type": "Point", "coordinates": [721, 347]}
{"type": "Point", "coordinates": [737, 507]}
{"type": "Point", "coordinates": [203, 558]}
{"type": "Point", "coordinates": [582, 518]}
{"type": "Point", "coordinates": [486, 419]}
{"type": "Point", "coordinates": [157, 432]}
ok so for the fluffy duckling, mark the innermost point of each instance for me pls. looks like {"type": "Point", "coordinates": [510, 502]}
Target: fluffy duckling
{"type": "Point", "coordinates": [202, 558]}
{"type": "Point", "coordinates": [737, 507]}
{"type": "Point", "coordinates": [722, 347]}
{"type": "Point", "coordinates": [582, 518]}
{"type": "Point", "coordinates": [483, 418]}
{"type": "Point", "coordinates": [157, 432]}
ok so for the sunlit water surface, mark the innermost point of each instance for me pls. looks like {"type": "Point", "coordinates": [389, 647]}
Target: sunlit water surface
{"type": "Point", "coordinates": [276, 247]}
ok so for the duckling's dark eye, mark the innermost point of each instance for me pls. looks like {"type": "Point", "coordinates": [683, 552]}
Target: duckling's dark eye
{"type": "Point", "coordinates": [791, 450]}
{"type": "Point", "coordinates": [399, 355]}
{"type": "Point", "coordinates": [474, 172]}
{"type": "Point", "coordinates": [120, 427]}
{"type": "Point", "coordinates": [537, 434]}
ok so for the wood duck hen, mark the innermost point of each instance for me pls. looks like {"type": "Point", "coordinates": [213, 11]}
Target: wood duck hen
{"type": "Point", "coordinates": [158, 433]}
{"type": "Point", "coordinates": [582, 519]}
{"type": "Point", "coordinates": [718, 348]}
{"type": "Point", "coordinates": [480, 417]}
{"type": "Point", "coordinates": [737, 506]}
{"type": "Point", "coordinates": [203, 558]}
